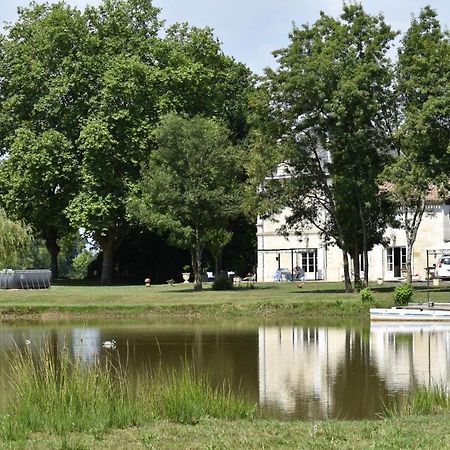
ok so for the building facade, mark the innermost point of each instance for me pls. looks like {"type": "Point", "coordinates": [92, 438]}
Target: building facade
{"type": "Point", "coordinates": [320, 261]}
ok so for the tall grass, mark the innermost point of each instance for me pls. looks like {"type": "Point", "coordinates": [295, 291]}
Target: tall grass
{"type": "Point", "coordinates": [421, 401]}
{"type": "Point", "coordinates": [186, 397]}
{"type": "Point", "coordinates": [56, 394]}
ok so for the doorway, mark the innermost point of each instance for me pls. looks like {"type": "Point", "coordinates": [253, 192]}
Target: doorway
{"type": "Point", "coordinates": [395, 261]}
{"type": "Point", "coordinates": [308, 262]}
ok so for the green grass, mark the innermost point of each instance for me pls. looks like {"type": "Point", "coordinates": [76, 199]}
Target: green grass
{"type": "Point", "coordinates": [416, 432]}
{"type": "Point", "coordinates": [315, 300]}
{"type": "Point", "coordinates": [57, 395]}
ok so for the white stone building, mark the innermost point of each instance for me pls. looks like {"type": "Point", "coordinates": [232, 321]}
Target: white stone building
{"type": "Point", "coordinates": [324, 262]}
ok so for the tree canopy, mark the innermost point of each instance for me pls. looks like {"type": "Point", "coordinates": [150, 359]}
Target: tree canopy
{"type": "Point", "coordinates": [88, 98]}
{"type": "Point", "coordinates": [329, 111]}
{"type": "Point", "coordinates": [424, 91]}
{"type": "Point", "coordinates": [423, 135]}
{"type": "Point", "coordinates": [40, 108]}
{"type": "Point", "coordinates": [190, 187]}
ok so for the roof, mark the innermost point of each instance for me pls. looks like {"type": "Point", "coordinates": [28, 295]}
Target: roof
{"type": "Point", "coordinates": [433, 195]}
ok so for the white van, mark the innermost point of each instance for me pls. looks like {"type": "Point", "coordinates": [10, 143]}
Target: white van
{"type": "Point", "coordinates": [443, 267]}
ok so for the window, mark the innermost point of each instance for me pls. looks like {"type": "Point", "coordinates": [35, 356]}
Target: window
{"type": "Point", "coordinates": [390, 260]}
{"type": "Point", "coordinates": [309, 261]}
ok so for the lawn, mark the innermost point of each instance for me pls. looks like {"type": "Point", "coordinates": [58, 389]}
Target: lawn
{"type": "Point", "coordinates": [315, 300]}
{"type": "Point", "coordinates": [418, 432]}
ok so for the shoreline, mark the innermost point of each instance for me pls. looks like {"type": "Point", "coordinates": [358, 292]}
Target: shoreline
{"type": "Point", "coordinates": [316, 301]}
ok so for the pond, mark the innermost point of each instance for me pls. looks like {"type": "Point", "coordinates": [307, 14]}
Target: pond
{"type": "Point", "coordinates": [292, 370]}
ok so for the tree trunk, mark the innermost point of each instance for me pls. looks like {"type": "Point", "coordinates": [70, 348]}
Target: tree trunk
{"type": "Point", "coordinates": [365, 251]}
{"type": "Point", "coordinates": [364, 243]}
{"type": "Point", "coordinates": [51, 242]}
{"type": "Point", "coordinates": [107, 276]}
{"type": "Point", "coordinates": [356, 268]}
{"type": "Point", "coordinates": [196, 255]}
{"type": "Point", "coordinates": [409, 247]}
{"type": "Point", "coordinates": [366, 267]}
{"type": "Point", "coordinates": [109, 243]}
{"type": "Point", "coordinates": [217, 263]}
{"type": "Point", "coordinates": [347, 281]}
{"type": "Point", "coordinates": [411, 227]}
{"type": "Point", "coordinates": [54, 263]}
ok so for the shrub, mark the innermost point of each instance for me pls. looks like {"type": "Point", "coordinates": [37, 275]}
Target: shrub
{"type": "Point", "coordinates": [366, 295]}
{"type": "Point", "coordinates": [359, 285]}
{"type": "Point", "coordinates": [403, 294]}
{"type": "Point", "coordinates": [222, 283]}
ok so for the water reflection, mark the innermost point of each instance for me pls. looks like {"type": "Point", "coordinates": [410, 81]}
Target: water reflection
{"type": "Point", "coordinates": [411, 353]}
{"type": "Point", "coordinates": [299, 363]}
{"type": "Point", "coordinates": [315, 373]}
{"type": "Point", "coordinates": [86, 344]}
{"type": "Point", "coordinates": [306, 372]}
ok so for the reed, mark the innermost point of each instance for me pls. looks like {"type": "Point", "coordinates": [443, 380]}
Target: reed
{"type": "Point", "coordinates": [187, 396]}
{"type": "Point", "coordinates": [53, 393]}
{"type": "Point", "coordinates": [421, 401]}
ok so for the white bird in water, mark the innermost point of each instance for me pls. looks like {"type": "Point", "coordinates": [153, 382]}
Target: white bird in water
{"type": "Point", "coordinates": [109, 344]}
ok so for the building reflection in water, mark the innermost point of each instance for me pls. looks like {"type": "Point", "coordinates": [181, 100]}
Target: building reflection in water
{"type": "Point", "coordinates": [86, 344]}
{"type": "Point", "coordinates": [411, 354]}
{"type": "Point", "coordinates": [336, 372]}
{"type": "Point", "coordinates": [299, 364]}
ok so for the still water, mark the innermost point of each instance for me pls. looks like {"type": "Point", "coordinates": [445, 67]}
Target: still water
{"type": "Point", "coordinates": [293, 371]}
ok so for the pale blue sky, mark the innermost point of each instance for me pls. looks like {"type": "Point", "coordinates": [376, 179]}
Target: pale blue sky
{"type": "Point", "coordinates": [251, 29]}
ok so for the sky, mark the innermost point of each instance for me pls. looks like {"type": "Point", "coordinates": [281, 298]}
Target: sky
{"type": "Point", "coordinates": [250, 30]}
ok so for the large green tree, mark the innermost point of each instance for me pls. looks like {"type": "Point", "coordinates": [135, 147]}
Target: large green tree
{"type": "Point", "coordinates": [191, 186]}
{"type": "Point", "coordinates": [41, 103]}
{"type": "Point", "coordinates": [101, 79]}
{"type": "Point", "coordinates": [423, 137]}
{"type": "Point", "coordinates": [119, 60]}
{"type": "Point", "coordinates": [407, 185]}
{"type": "Point", "coordinates": [329, 111]}
{"type": "Point", "coordinates": [37, 184]}
{"type": "Point", "coordinates": [141, 77]}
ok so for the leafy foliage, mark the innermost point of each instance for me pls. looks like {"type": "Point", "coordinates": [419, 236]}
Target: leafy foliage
{"type": "Point", "coordinates": [80, 265]}
{"type": "Point", "coordinates": [424, 87]}
{"type": "Point", "coordinates": [366, 295]}
{"type": "Point", "coordinates": [222, 283]}
{"type": "Point", "coordinates": [216, 240]}
{"type": "Point", "coordinates": [403, 294]}
{"type": "Point", "coordinates": [42, 102]}
{"type": "Point", "coordinates": [423, 137]}
{"type": "Point", "coordinates": [81, 96]}
{"type": "Point", "coordinates": [190, 186]}
{"type": "Point", "coordinates": [407, 185]}
{"type": "Point", "coordinates": [15, 239]}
